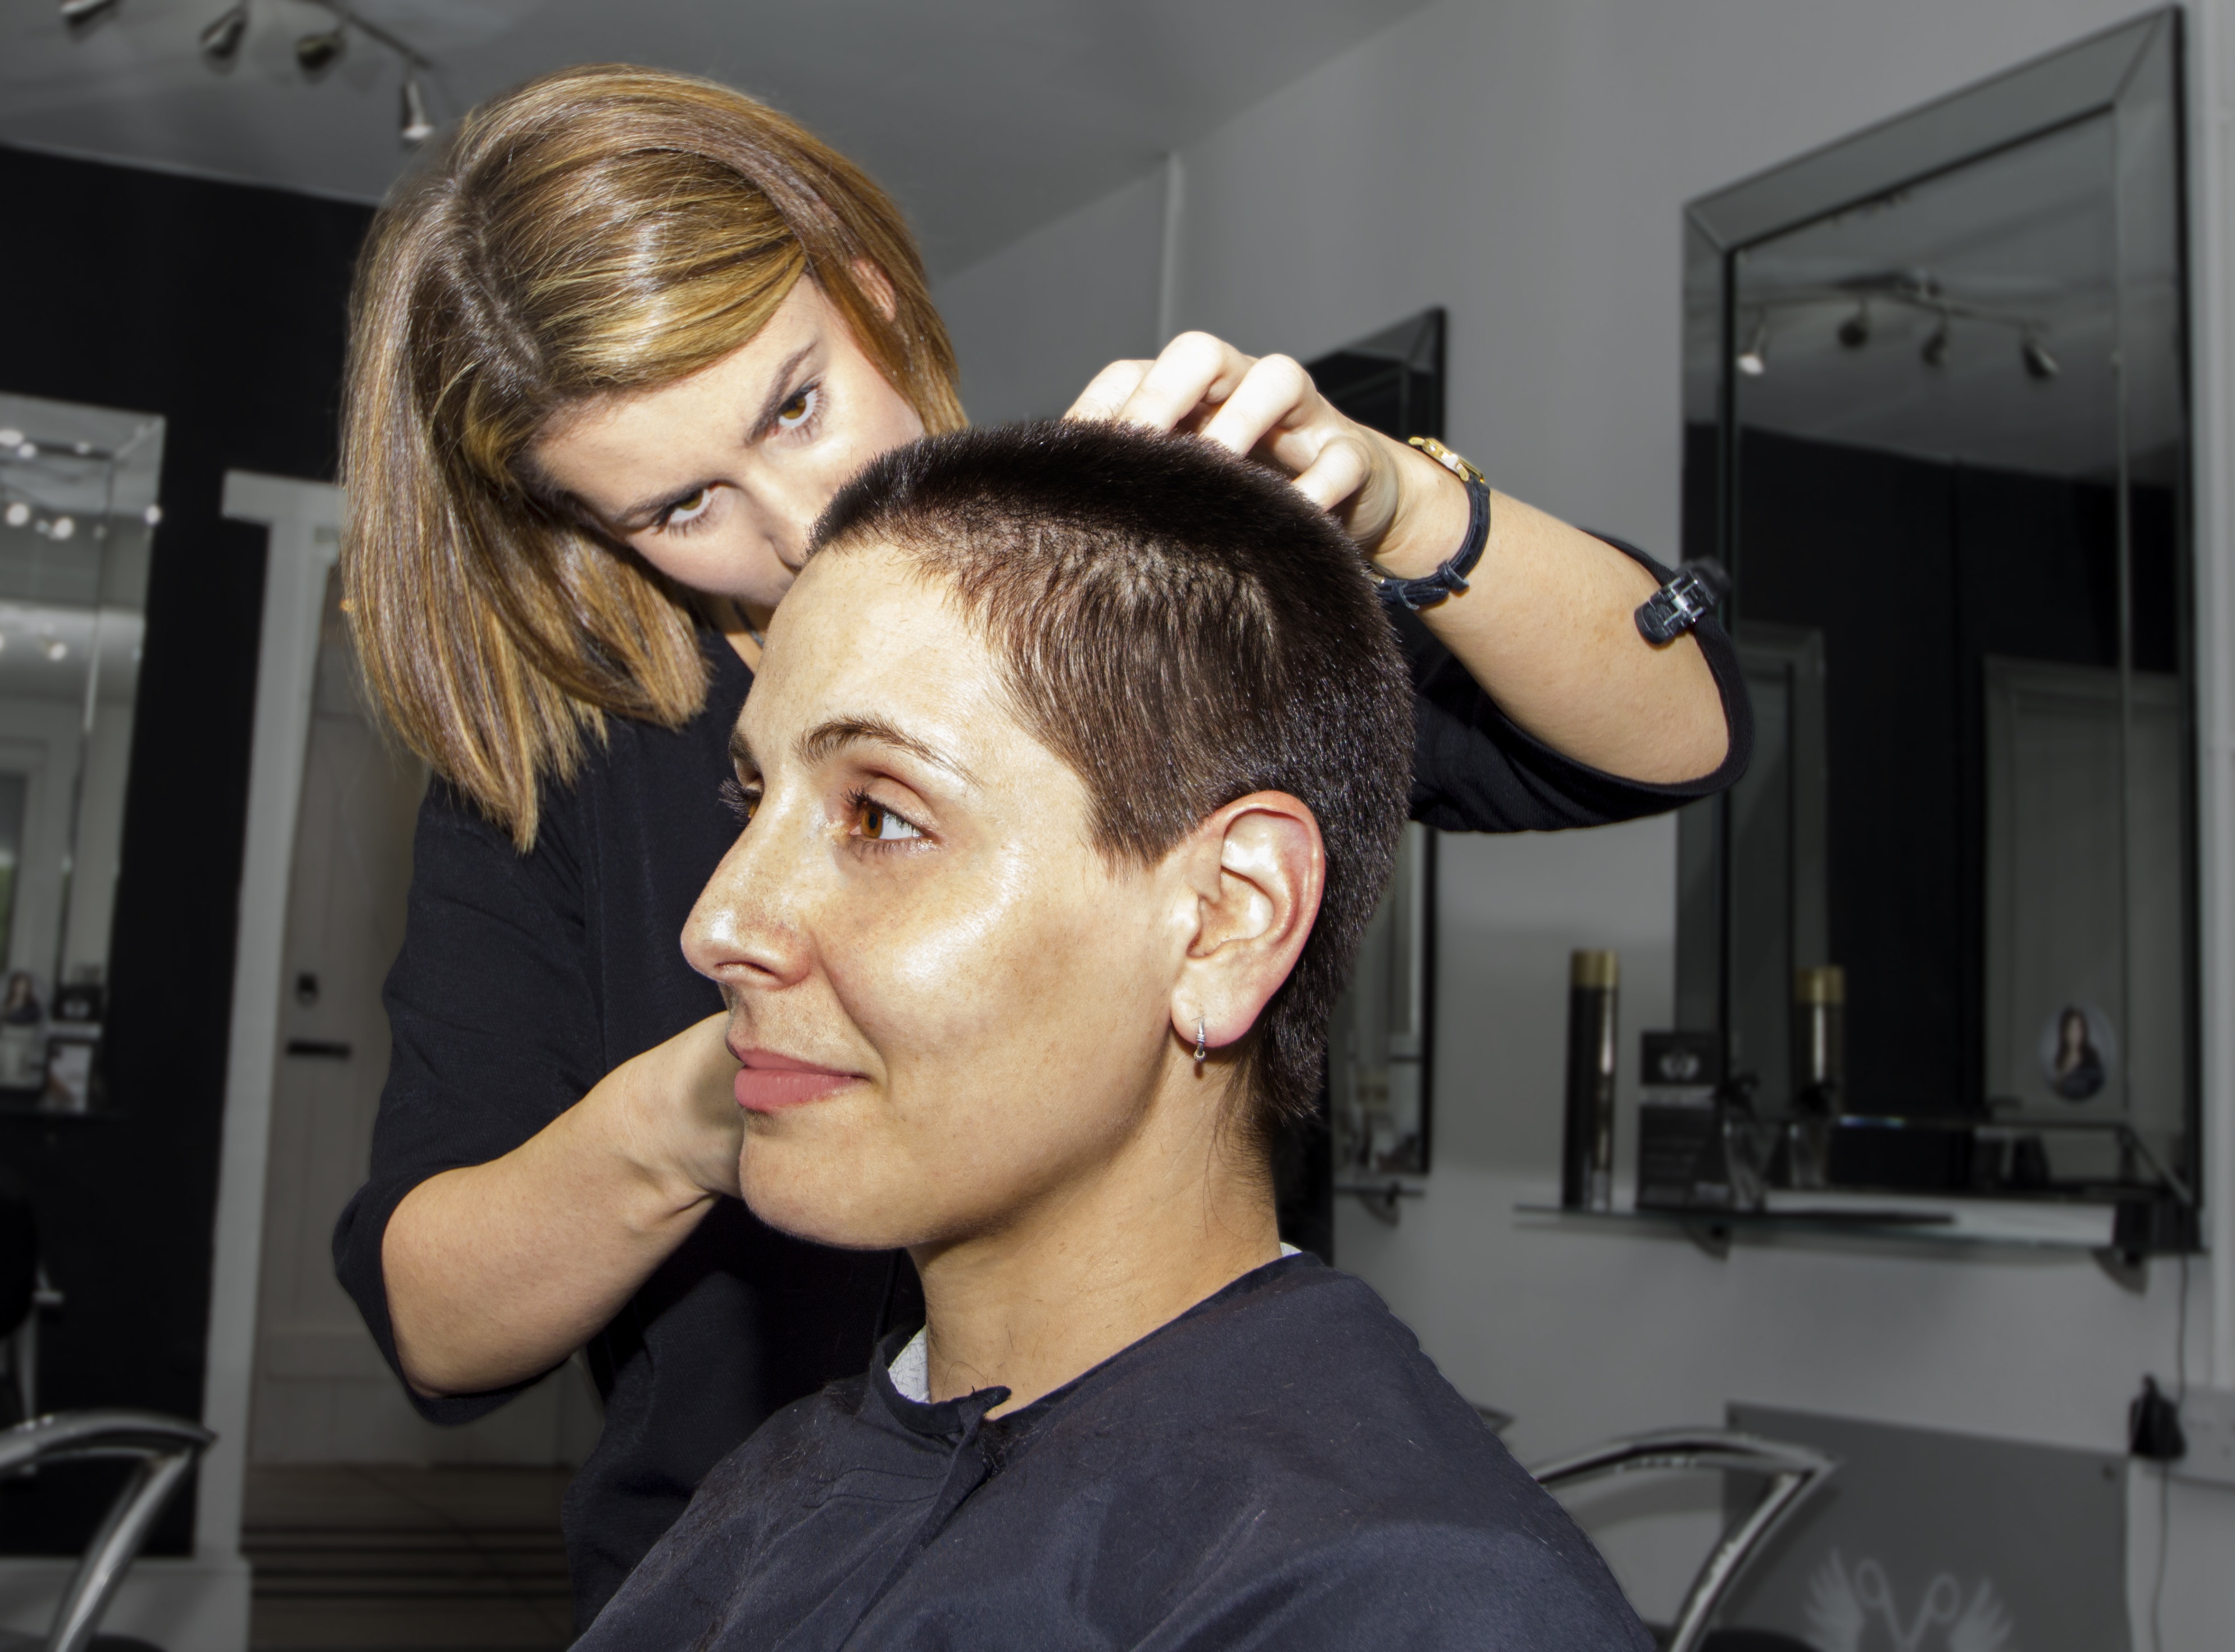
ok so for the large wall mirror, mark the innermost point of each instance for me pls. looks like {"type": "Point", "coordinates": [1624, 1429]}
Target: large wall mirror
{"type": "Point", "coordinates": [1380, 1114]}
{"type": "Point", "coordinates": [1938, 432]}
{"type": "Point", "coordinates": [77, 515]}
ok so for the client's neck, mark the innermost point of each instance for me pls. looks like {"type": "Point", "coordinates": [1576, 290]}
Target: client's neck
{"type": "Point", "coordinates": [1051, 1291]}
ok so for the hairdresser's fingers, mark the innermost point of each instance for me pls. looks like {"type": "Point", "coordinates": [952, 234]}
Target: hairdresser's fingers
{"type": "Point", "coordinates": [1109, 390]}
{"type": "Point", "coordinates": [1185, 384]}
{"type": "Point", "coordinates": [1273, 398]}
{"type": "Point", "coordinates": [1343, 466]}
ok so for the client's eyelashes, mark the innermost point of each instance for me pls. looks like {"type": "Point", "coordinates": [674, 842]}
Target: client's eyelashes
{"type": "Point", "coordinates": [741, 800]}
{"type": "Point", "coordinates": [877, 825]}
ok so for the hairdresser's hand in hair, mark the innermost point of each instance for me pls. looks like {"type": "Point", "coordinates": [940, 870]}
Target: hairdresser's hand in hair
{"type": "Point", "coordinates": [1546, 625]}
{"type": "Point", "coordinates": [496, 1272]}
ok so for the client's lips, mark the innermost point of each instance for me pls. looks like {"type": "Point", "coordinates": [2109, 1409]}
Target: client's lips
{"type": "Point", "coordinates": [769, 1082]}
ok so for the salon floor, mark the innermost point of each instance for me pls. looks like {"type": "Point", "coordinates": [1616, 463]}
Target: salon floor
{"type": "Point", "coordinates": [369, 1559]}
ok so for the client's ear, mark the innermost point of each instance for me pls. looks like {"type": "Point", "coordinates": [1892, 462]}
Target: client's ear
{"type": "Point", "coordinates": [1254, 869]}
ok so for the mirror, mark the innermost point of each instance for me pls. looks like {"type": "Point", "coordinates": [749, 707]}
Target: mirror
{"type": "Point", "coordinates": [77, 516]}
{"type": "Point", "coordinates": [1378, 1043]}
{"type": "Point", "coordinates": [1937, 432]}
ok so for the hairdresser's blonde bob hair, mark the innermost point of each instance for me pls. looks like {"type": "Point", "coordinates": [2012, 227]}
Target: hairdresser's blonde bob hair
{"type": "Point", "coordinates": [600, 231]}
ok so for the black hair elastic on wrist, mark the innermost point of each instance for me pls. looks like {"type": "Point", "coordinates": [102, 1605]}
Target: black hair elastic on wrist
{"type": "Point", "coordinates": [1449, 579]}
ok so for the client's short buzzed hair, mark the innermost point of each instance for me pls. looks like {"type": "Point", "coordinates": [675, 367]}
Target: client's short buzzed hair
{"type": "Point", "coordinates": [1182, 628]}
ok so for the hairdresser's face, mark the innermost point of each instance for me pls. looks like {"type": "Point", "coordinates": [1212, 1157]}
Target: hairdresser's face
{"type": "Point", "coordinates": [950, 1009]}
{"type": "Point", "coordinates": [717, 478]}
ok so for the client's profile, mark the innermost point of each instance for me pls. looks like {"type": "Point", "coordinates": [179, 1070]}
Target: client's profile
{"type": "Point", "coordinates": [1072, 772]}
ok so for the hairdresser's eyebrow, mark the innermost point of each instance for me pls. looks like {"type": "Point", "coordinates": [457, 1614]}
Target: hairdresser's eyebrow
{"type": "Point", "coordinates": [781, 391]}
{"type": "Point", "coordinates": [645, 512]}
{"type": "Point", "coordinates": [824, 739]}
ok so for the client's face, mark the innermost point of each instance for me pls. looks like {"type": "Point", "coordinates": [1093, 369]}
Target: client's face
{"type": "Point", "coordinates": [949, 1007]}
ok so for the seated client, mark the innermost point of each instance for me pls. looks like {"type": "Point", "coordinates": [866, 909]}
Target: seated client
{"type": "Point", "coordinates": [1074, 770]}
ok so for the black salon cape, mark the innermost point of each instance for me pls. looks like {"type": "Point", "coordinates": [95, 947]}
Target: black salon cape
{"type": "Point", "coordinates": [524, 979]}
{"type": "Point", "coordinates": [1279, 1467]}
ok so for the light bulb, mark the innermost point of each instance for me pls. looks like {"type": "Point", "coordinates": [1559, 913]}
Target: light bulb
{"type": "Point", "coordinates": [11, 437]}
{"type": "Point", "coordinates": [221, 40]}
{"type": "Point", "coordinates": [151, 515]}
{"type": "Point", "coordinates": [417, 128]}
{"type": "Point", "coordinates": [58, 649]}
{"type": "Point", "coordinates": [18, 513]}
{"type": "Point", "coordinates": [1753, 361]}
{"type": "Point", "coordinates": [64, 527]}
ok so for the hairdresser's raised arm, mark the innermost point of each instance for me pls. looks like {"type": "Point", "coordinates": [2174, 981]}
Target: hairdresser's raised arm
{"type": "Point", "coordinates": [1546, 625]}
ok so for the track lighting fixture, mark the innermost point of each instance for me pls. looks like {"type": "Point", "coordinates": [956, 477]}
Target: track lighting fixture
{"type": "Point", "coordinates": [18, 513]}
{"type": "Point", "coordinates": [2039, 364]}
{"type": "Point", "coordinates": [1753, 360]}
{"type": "Point", "coordinates": [222, 39]}
{"type": "Point", "coordinates": [1936, 347]}
{"type": "Point", "coordinates": [417, 128]}
{"type": "Point", "coordinates": [314, 52]}
{"type": "Point", "coordinates": [82, 10]}
{"type": "Point", "coordinates": [1855, 330]}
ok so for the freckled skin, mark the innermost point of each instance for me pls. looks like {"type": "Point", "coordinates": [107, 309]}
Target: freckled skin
{"type": "Point", "coordinates": [999, 989]}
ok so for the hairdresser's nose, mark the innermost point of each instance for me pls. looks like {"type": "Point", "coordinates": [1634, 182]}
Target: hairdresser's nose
{"type": "Point", "coordinates": [743, 932]}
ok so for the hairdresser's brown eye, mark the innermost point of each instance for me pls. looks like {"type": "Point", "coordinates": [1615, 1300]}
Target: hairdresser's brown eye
{"type": "Point", "coordinates": [801, 407]}
{"type": "Point", "coordinates": [684, 512]}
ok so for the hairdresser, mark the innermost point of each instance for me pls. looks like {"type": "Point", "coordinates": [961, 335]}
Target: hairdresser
{"type": "Point", "coordinates": [614, 348]}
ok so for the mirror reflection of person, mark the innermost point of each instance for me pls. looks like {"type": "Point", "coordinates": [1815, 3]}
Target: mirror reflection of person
{"type": "Point", "coordinates": [1066, 805]}
{"type": "Point", "coordinates": [2077, 1072]}
{"type": "Point", "coordinates": [615, 348]}
{"type": "Point", "coordinates": [20, 1006]}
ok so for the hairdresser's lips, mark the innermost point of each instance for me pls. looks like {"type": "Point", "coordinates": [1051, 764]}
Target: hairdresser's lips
{"type": "Point", "coordinates": [769, 1082]}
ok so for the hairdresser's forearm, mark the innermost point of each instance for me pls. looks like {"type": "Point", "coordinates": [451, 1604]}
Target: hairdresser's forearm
{"type": "Point", "coordinates": [1546, 626]}
{"type": "Point", "coordinates": [498, 1271]}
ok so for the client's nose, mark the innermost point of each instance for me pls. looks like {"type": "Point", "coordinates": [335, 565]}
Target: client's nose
{"type": "Point", "coordinates": [739, 934]}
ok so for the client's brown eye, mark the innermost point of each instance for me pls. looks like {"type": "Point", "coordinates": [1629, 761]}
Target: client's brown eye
{"type": "Point", "coordinates": [879, 824]}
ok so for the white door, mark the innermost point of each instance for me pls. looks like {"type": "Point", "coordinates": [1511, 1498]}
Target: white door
{"type": "Point", "coordinates": [322, 1393]}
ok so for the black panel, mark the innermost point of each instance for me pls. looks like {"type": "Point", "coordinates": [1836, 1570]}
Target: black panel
{"type": "Point", "coordinates": [222, 308]}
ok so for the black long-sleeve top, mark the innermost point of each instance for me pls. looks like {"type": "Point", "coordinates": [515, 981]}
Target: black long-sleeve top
{"type": "Point", "coordinates": [525, 979]}
{"type": "Point", "coordinates": [1280, 1467]}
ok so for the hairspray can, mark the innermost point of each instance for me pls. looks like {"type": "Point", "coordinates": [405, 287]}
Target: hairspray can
{"type": "Point", "coordinates": [1587, 1143]}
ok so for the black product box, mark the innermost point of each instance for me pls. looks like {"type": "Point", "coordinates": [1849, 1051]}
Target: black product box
{"type": "Point", "coordinates": [1680, 1146]}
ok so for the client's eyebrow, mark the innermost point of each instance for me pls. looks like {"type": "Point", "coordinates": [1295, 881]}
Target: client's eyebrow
{"type": "Point", "coordinates": [825, 738]}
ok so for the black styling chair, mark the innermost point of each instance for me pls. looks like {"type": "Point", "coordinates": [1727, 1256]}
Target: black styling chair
{"type": "Point", "coordinates": [162, 1449]}
{"type": "Point", "coordinates": [1793, 1473]}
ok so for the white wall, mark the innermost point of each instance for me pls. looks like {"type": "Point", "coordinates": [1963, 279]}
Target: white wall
{"type": "Point", "coordinates": [1524, 165]}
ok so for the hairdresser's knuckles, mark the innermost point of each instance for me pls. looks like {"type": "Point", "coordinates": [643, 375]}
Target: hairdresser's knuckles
{"type": "Point", "coordinates": [988, 985]}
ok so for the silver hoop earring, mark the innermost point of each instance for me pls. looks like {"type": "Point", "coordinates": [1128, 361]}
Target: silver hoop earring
{"type": "Point", "coordinates": [1200, 1049]}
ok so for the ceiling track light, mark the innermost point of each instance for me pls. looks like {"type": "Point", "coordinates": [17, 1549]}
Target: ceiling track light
{"type": "Point", "coordinates": [222, 36]}
{"type": "Point", "coordinates": [315, 51]}
{"type": "Point", "coordinates": [84, 10]}
{"type": "Point", "coordinates": [417, 128]}
{"type": "Point", "coordinates": [221, 40]}
{"type": "Point", "coordinates": [1936, 347]}
{"type": "Point", "coordinates": [1855, 330]}
{"type": "Point", "coordinates": [1753, 360]}
{"type": "Point", "coordinates": [2039, 364]}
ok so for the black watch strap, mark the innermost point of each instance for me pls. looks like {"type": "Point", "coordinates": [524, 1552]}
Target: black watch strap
{"type": "Point", "coordinates": [1450, 578]}
{"type": "Point", "coordinates": [1687, 598]}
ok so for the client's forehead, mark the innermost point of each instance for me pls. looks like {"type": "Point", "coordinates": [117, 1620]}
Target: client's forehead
{"type": "Point", "coordinates": [863, 640]}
